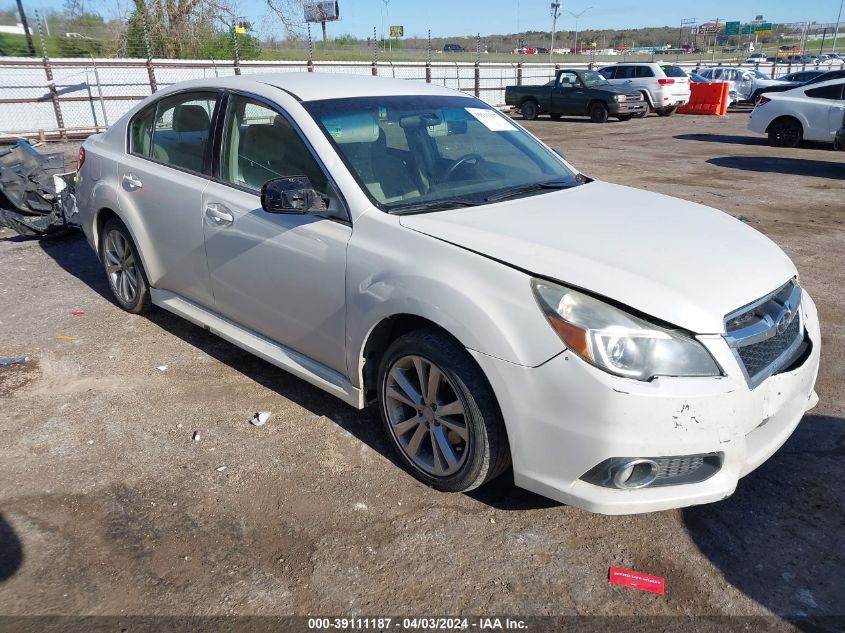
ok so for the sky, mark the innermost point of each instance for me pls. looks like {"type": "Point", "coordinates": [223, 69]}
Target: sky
{"type": "Point", "coordinates": [466, 17]}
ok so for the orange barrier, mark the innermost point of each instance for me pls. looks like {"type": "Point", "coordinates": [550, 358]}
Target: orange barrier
{"type": "Point", "coordinates": [711, 98]}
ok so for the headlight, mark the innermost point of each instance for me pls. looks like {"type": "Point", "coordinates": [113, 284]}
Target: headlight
{"type": "Point", "coordinates": [619, 98]}
{"type": "Point", "coordinates": [618, 342]}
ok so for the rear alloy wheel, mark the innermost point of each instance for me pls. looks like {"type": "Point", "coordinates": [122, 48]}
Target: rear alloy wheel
{"type": "Point", "coordinates": [665, 111]}
{"type": "Point", "coordinates": [785, 133]}
{"type": "Point", "coordinates": [598, 113]}
{"type": "Point", "coordinates": [126, 276]}
{"type": "Point", "coordinates": [440, 413]}
{"type": "Point", "coordinates": [530, 110]}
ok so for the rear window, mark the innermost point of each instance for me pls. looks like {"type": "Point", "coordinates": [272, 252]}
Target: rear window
{"type": "Point", "coordinates": [827, 92]}
{"type": "Point", "coordinates": [674, 71]}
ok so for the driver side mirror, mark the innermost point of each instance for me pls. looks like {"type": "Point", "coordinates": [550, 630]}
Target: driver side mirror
{"type": "Point", "coordinates": [291, 194]}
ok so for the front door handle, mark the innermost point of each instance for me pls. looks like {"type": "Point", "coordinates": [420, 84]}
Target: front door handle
{"type": "Point", "coordinates": [218, 214]}
{"type": "Point", "coordinates": [132, 181]}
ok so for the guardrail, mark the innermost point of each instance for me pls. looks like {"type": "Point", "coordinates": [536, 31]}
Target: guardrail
{"type": "Point", "coordinates": [76, 97]}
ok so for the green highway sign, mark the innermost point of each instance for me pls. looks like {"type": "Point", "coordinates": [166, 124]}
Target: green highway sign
{"type": "Point", "coordinates": [765, 27]}
{"type": "Point", "coordinates": [731, 28]}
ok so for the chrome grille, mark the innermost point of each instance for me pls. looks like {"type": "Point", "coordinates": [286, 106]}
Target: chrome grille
{"type": "Point", "coordinates": [636, 97]}
{"type": "Point", "coordinates": [758, 356]}
{"type": "Point", "coordinates": [765, 334]}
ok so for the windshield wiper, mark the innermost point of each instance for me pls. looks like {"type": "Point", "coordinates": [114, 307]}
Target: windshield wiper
{"type": "Point", "coordinates": [433, 205]}
{"type": "Point", "coordinates": [515, 192]}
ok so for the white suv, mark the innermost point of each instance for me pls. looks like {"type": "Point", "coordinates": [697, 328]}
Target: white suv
{"type": "Point", "coordinates": [664, 86]}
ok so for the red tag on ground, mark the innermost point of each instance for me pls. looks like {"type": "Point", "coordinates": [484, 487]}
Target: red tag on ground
{"type": "Point", "coordinates": [636, 580]}
{"type": "Point", "coordinates": [78, 313]}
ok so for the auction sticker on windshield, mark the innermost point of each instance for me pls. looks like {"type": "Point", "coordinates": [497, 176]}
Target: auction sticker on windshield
{"type": "Point", "coordinates": [491, 120]}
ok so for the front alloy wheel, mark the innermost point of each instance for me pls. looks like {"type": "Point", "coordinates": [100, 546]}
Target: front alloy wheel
{"type": "Point", "coordinates": [440, 413]}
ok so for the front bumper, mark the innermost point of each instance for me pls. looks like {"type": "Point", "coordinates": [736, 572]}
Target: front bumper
{"type": "Point", "coordinates": [566, 416]}
{"type": "Point", "coordinates": [626, 107]}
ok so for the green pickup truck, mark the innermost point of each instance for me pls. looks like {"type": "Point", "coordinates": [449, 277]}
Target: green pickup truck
{"type": "Point", "coordinates": [580, 93]}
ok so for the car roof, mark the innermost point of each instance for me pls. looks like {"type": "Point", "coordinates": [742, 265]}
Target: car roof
{"type": "Point", "coordinates": [820, 84]}
{"type": "Point", "coordinates": [306, 86]}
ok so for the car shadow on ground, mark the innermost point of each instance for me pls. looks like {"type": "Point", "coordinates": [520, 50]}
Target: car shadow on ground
{"type": "Point", "coordinates": [11, 551]}
{"type": "Point", "coordinates": [75, 256]}
{"type": "Point", "coordinates": [570, 119]}
{"type": "Point", "coordinates": [790, 166]}
{"type": "Point", "coordinates": [779, 538]}
{"type": "Point", "coordinates": [722, 138]}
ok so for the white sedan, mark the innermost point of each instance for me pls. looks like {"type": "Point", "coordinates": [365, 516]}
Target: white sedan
{"type": "Point", "coordinates": [406, 245]}
{"type": "Point", "coordinates": [812, 113]}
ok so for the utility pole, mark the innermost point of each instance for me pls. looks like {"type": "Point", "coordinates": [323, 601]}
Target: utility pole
{"type": "Point", "coordinates": [715, 40]}
{"type": "Point", "coordinates": [387, 14]}
{"type": "Point", "coordinates": [576, 16]}
{"type": "Point", "coordinates": [835, 31]}
{"type": "Point", "coordinates": [29, 43]}
{"type": "Point", "coordinates": [555, 16]}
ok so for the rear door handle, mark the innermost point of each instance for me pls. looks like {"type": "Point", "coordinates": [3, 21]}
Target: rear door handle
{"type": "Point", "coordinates": [132, 181]}
{"type": "Point", "coordinates": [218, 214]}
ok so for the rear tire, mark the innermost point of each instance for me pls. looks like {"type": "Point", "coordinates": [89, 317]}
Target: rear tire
{"type": "Point", "coordinates": [598, 113]}
{"type": "Point", "coordinates": [530, 110]}
{"type": "Point", "coordinates": [440, 412]}
{"type": "Point", "coordinates": [665, 111]}
{"type": "Point", "coordinates": [785, 133]}
{"type": "Point", "coordinates": [124, 270]}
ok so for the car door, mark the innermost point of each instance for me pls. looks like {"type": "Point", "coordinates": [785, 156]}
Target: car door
{"type": "Point", "coordinates": [568, 96]}
{"type": "Point", "coordinates": [280, 275]}
{"type": "Point", "coordinates": [824, 110]}
{"type": "Point", "coordinates": [162, 178]}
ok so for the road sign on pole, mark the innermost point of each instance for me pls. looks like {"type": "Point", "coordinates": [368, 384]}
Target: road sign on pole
{"type": "Point", "coordinates": [731, 28]}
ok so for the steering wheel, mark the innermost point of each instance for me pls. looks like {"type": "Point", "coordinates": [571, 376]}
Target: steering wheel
{"type": "Point", "coordinates": [460, 161]}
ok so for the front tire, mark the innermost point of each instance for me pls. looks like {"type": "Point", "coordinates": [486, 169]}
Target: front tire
{"type": "Point", "coordinates": [598, 113]}
{"type": "Point", "coordinates": [440, 413]}
{"type": "Point", "coordinates": [124, 270]}
{"type": "Point", "coordinates": [785, 133]}
{"type": "Point", "coordinates": [530, 110]}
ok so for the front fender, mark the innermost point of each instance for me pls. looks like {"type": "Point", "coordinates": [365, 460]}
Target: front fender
{"type": "Point", "coordinates": [488, 306]}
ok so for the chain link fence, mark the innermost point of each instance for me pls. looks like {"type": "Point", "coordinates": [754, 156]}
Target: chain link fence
{"type": "Point", "coordinates": [76, 97]}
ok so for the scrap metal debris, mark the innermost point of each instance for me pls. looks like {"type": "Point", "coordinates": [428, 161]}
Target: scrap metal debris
{"type": "Point", "coordinates": [36, 194]}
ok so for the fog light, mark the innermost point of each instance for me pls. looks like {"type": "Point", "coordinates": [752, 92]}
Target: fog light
{"type": "Point", "coordinates": [637, 473]}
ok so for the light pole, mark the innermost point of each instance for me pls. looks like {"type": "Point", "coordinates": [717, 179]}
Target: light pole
{"type": "Point", "coordinates": [386, 10]}
{"type": "Point", "coordinates": [576, 16]}
{"type": "Point", "coordinates": [836, 30]}
{"type": "Point", "coordinates": [555, 15]}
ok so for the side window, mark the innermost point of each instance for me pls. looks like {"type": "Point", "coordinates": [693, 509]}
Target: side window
{"type": "Point", "coordinates": [607, 73]}
{"type": "Point", "coordinates": [182, 130]}
{"type": "Point", "coordinates": [568, 80]}
{"type": "Point", "coordinates": [624, 72]}
{"type": "Point", "coordinates": [141, 129]}
{"type": "Point", "coordinates": [644, 71]}
{"type": "Point", "coordinates": [259, 145]}
{"type": "Point", "coordinates": [826, 92]}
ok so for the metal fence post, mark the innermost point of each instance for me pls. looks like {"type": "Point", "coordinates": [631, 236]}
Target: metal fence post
{"type": "Point", "coordinates": [100, 92]}
{"type": "Point", "coordinates": [236, 51]}
{"type": "Point", "coordinates": [51, 84]}
{"type": "Point", "coordinates": [477, 71]}
{"type": "Point", "coordinates": [519, 73]}
{"type": "Point", "coordinates": [428, 62]}
{"type": "Point", "coordinates": [375, 54]}
{"type": "Point", "coordinates": [311, 49]}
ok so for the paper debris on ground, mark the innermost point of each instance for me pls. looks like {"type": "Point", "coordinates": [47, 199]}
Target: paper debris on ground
{"type": "Point", "coordinates": [636, 580]}
{"type": "Point", "coordinates": [260, 418]}
{"type": "Point", "coordinates": [14, 360]}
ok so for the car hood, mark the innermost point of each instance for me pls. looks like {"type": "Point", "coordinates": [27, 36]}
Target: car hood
{"type": "Point", "coordinates": [678, 261]}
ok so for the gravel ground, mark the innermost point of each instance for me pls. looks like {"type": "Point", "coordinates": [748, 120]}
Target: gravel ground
{"type": "Point", "coordinates": [108, 507]}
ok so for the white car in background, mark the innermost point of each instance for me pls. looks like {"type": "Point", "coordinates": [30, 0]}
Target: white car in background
{"type": "Point", "coordinates": [744, 82]}
{"type": "Point", "coordinates": [811, 113]}
{"type": "Point", "coordinates": [666, 87]}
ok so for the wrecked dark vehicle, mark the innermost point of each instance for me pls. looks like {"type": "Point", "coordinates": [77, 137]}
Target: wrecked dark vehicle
{"type": "Point", "coordinates": [36, 193]}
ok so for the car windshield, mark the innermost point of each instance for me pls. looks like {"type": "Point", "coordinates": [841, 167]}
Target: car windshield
{"type": "Point", "coordinates": [426, 153]}
{"type": "Point", "coordinates": [593, 79]}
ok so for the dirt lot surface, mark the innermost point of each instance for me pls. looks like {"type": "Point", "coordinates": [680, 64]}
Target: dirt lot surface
{"type": "Point", "coordinates": [107, 505]}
